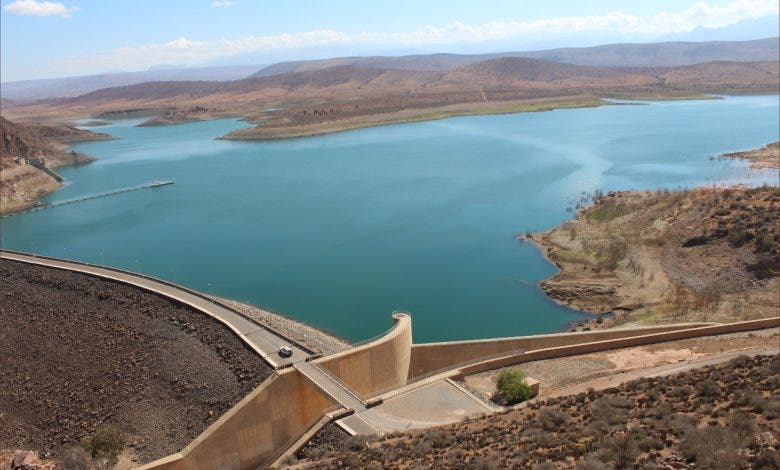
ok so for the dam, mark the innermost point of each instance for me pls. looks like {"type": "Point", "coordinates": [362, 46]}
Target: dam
{"type": "Point", "coordinates": [362, 388]}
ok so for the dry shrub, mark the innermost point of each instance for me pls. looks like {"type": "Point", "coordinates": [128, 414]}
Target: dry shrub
{"type": "Point", "coordinates": [483, 463]}
{"type": "Point", "coordinates": [712, 447]}
{"type": "Point", "coordinates": [767, 460]}
{"type": "Point", "coordinates": [620, 449]}
{"type": "Point", "coordinates": [708, 389]}
{"type": "Point", "coordinates": [551, 418]}
{"type": "Point", "coordinates": [592, 462]}
{"type": "Point", "coordinates": [76, 458]}
{"type": "Point", "coordinates": [106, 444]}
{"type": "Point", "coordinates": [611, 410]}
{"type": "Point", "coordinates": [439, 438]}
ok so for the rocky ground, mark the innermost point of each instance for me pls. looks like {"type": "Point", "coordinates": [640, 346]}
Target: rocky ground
{"type": "Point", "coordinates": [78, 353]}
{"type": "Point", "coordinates": [331, 438]}
{"type": "Point", "coordinates": [716, 417]}
{"type": "Point", "coordinates": [706, 254]}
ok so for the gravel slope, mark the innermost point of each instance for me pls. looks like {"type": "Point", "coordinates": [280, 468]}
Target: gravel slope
{"type": "Point", "coordinates": [78, 352]}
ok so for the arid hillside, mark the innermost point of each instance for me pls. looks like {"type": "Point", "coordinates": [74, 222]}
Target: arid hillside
{"type": "Point", "coordinates": [22, 182]}
{"type": "Point", "coordinates": [79, 353]}
{"type": "Point", "coordinates": [717, 417]}
{"type": "Point", "coordinates": [346, 96]}
{"type": "Point", "coordinates": [705, 254]}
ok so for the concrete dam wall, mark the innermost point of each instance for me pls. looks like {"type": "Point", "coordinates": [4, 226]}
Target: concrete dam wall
{"type": "Point", "coordinates": [375, 367]}
{"type": "Point", "coordinates": [431, 357]}
{"type": "Point", "coordinates": [256, 429]}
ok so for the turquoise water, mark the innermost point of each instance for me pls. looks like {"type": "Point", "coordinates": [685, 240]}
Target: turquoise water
{"type": "Point", "coordinates": [340, 230]}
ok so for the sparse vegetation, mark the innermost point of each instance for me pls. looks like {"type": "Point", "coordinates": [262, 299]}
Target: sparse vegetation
{"type": "Point", "coordinates": [709, 254]}
{"type": "Point", "coordinates": [106, 444]}
{"type": "Point", "coordinates": [704, 418]}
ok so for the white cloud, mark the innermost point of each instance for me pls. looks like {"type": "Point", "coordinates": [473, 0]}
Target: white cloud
{"type": "Point", "coordinates": [35, 8]}
{"type": "Point", "coordinates": [184, 51]}
{"type": "Point", "coordinates": [222, 3]}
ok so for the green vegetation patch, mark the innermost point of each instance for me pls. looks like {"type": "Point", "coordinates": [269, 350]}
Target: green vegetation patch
{"type": "Point", "coordinates": [513, 386]}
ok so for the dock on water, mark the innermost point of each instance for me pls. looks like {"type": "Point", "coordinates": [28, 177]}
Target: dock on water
{"type": "Point", "coordinates": [153, 184]}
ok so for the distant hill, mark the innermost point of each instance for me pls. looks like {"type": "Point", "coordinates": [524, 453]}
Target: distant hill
{"type": "Point", "coordinates": [347, 96]}
{"type": "Point", "coordinates": [664, 54]}
{"type": "Point", "coordinates": [25, 90]}
{"type": "Point", "coordinates": [352, 82]}
{"type": "Point", "coordinates": [17, 140]}
{"type": "Point", "coordinates": [612, 55]}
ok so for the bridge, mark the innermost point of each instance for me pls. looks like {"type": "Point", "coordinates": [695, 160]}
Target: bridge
{"type": "Point", "coordinates": [385, 385]}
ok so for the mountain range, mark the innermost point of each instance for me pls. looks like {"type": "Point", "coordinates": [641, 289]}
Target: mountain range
{"type": "Point", "coordinates": [612, 55]}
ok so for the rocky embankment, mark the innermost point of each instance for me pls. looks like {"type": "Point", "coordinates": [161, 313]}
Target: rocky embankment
{"type": "Point", "coordinates": [307, 336]}
{"type": "Point", "coordinates": [78, 353]}
{"type": "Point", "coordinates": [24, 148]}
{"type": "Point", "coordinates": [703, 255]}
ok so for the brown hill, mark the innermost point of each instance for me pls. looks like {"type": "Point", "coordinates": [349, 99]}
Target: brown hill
{"type": "Point", "coordinates": [27, 152]}
{"type": "Point", "coordinates": [346, 96]}
{"type": "Point", "coordinates": [664, 54]}
{"type": "Point", "coordinates": [18, 141]}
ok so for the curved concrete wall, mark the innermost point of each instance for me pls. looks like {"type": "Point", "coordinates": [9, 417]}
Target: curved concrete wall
{"type": "Point", "coordinates": [257, 429]}
{"type": "Point", "coordinates": [375, 367]}
{"type": "Point", "coordinates": [520, 357]}
{"type": "Point", "coordinates": [431, 357]}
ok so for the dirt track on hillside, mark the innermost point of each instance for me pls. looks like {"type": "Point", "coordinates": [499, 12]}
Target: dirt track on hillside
{"type": "Point", "coordinates": [78, 352]}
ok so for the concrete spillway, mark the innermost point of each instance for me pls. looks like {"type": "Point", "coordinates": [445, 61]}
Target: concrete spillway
{"type": "Point", "coordinates": [154, 184]}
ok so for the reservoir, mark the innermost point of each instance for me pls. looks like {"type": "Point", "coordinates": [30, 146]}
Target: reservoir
{"type": "Point", "coordinates": [340, 230]}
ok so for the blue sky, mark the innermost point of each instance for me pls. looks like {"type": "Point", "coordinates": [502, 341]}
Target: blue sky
{"type": "Point", "coordinates": [43, 39]}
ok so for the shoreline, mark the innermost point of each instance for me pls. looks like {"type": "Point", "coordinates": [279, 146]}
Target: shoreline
{"type": "Point", "coordinates": [412, 115]}
{"type": "Point", "coordinates": [319, 341]}
{"type": "Point", "coordinates": [639, 281]}
{"type": "Point", "coordinates": [763, 158]}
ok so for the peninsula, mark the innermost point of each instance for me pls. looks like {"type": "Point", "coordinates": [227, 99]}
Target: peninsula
{"type": "Point", "coordinates": [708, 254]}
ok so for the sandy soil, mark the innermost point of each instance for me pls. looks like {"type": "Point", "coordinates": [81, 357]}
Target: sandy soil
{"type": "Point", "coordinates": [701, 255]}
{"type": "Point", "coordinates": [78, 353]}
